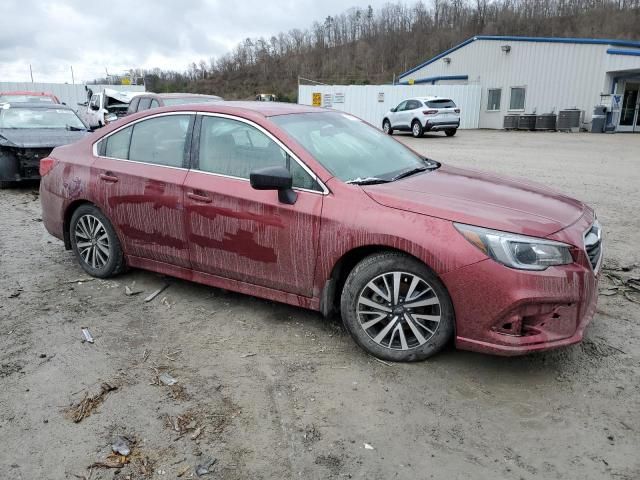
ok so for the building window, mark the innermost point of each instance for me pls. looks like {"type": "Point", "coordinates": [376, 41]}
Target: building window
{"type": "Point", "coordinates": [493, 99]}
{"type": "Point", "coordinates": [517, 98]}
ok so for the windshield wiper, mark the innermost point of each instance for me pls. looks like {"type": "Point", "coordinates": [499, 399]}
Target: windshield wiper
{"type": "Point", "coordinates": [367, 181]}
{"type": "Point", "coordinates": [409, 172]}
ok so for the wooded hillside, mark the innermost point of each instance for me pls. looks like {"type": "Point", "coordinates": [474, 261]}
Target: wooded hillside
{"type": "Point", "coordinates": [365, 45]}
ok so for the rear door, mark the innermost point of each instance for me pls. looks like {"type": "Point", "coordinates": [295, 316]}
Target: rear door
{"type": "Point", "coordinates": [138, 175]}
{"type": "Point", "coordinates": [245, 234]}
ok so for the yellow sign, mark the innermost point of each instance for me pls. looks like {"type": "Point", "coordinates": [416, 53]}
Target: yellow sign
{"type": "Point", "coordinates": [126, 81]}
{"type": "Point", "coordinates": [317, 99]}
{"type": "Point", "coordinates": [411, 81]}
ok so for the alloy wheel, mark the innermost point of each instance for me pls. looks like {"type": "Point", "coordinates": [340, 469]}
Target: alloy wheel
{"type": "Point", "coordinates": [92, 241]}
{"type": "Point", "coordinates": [386, 127]}
{"type": "Point", "coordinates": [416, 129]}
{"type": "Point", "coordinates": [399, 310]}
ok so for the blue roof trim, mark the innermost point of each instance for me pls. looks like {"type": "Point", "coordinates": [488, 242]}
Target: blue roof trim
{"type": "Point", "coordinates": [614, 51]}
{"type": "Point", "coordinates": [433, 80]}
{"type": "Point", "coordinates": [587, 41]}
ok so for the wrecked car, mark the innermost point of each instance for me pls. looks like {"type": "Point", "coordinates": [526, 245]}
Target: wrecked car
{"type": "Point", "coordinates": [107, 106]}
{"type": "Point", "coordinates": [28, 133]}
{"type": "Point", "coordinates": [318, 209]}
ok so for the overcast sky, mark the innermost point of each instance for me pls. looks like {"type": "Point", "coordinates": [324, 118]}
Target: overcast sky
{"type": "Point", "coordinates": [123, 34]}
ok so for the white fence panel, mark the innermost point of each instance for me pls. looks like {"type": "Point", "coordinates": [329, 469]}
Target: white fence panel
{"type": "Point", "coordinates": [67, 93]}
{"type": "Point", "coordinates": [371, 102]}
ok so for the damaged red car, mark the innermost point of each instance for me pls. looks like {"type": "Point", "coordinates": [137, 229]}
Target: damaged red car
{"type": "Point", "coordinates": [318, 209]}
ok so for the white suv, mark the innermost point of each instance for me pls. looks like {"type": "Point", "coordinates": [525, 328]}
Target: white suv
{"type": "Point", "coordinates": [423, 114]}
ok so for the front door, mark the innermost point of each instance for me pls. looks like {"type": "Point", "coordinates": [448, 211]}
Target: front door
{"type": "Point", "coordinates": [630, 112]}
{"type": "Point", "coordinates": [245, 234]}
{"type": "Point", "coordinates": [138, 176]}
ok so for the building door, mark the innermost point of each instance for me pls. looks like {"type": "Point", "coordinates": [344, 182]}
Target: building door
{"type": "Point", "coordinates": [630, 113]}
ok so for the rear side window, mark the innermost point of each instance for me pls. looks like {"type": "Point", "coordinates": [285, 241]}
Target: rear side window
{"type": "Point", "coordinates": [441, 103]}
{"type": "Point", "coordinates": [160, 140]}
{"type": "Point", "coordinates": [145, 103]}
{"type": "Point", "coordinates": [117, 145]}
{"type": "Point", "coordinates": [233, 148]}
{"type": "Point", "coordinates": [413, 104]}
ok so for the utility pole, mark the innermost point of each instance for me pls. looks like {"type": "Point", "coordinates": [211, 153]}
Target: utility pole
{"type": "Point", "coordinates": [73, 80]}
{"type": "Point", "coordinates": [31, 73]}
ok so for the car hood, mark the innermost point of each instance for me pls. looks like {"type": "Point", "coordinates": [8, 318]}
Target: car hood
{"type": "Point", "coordinates": [481, 199]}
{"type": "Point", "coordinates": [38, 137]}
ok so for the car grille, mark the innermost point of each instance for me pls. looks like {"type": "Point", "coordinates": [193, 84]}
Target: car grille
{"type": "Point", "coordinates": [593, 244]}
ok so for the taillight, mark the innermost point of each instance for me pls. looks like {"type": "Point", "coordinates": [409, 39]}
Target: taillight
{"type": "Point", "coordinates": [46, 165]}
{"type": "Point", "coordinates": [457, 110]}
{"type": "Point", "coordinates": [429, 112]}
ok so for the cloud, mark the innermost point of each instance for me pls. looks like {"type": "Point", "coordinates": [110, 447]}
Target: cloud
{"type": "Point", "coordinates": [120, 34]}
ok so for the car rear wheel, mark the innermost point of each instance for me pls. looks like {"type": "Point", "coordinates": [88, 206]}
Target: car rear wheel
{"type": "Point", "coordinates": [386, 127]}
{"type": "Point", "coordinates": [450, 132]}
{"type": "Point", "coordinates": [416, 129]}
{"type": "Point", "coordinates": [396, 308]}
{"type": "Point", "coordinates": [95, 243]}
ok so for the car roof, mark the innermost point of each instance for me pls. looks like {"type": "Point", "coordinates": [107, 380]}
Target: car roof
{"type": "Point", "coordinates": [429, 98]}
{"type": "Point", "coordinates": [26, 92]}
{"type": "Point", "coordinates": [177, 95]}
{"type": "Point", "coordinates": [57, 106]}
{"type": "Point", "coordinates": [264, 109]}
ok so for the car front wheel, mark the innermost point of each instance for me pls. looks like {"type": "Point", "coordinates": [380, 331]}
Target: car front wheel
{"type": "Point", "coordinates": [95, 243]}
{"type": "Point", "coordinates": [416, 129]}
{"type": "Point", "coordinates": [396, 308]}
{"type": "Point", "coordinates": [386, 127]}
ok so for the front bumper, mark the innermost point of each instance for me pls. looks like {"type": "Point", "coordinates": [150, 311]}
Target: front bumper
{"type": "Point", "coordinates": [504, 311]}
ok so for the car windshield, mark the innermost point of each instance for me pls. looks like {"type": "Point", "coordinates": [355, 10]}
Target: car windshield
{"type": "Point", "coordinates": [25, 99]}
{"type": "Point", "coordinates": [189, 100]}
{"type": "Point", "coordinates": [40, 118]}
{"type": "Point", "coordinates": [350, 149]}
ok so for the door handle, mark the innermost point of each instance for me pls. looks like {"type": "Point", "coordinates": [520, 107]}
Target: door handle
{"type": "Point", "coordinates": [108, 177]}
{"type": "Point", "coordinates": [198, 196]}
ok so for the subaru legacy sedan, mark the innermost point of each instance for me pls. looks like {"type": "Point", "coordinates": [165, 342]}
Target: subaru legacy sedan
{"type": "Point", "coordinates": [318, 209]}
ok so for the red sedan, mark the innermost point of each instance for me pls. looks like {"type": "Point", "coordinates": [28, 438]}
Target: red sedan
{"type": "Point", "coordinates": [318, 209]}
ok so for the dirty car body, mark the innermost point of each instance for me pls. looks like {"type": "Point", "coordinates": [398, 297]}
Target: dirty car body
{"type": "Point", "coordinates": [28, 133]}
{"type": "Point", "coordinates": [320, 210]}
{"type": "Point", "coordinates": [23, 96]}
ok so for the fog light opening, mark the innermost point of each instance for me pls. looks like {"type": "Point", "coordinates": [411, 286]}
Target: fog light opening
{"type": "Point", "coordinates": [513, 326]}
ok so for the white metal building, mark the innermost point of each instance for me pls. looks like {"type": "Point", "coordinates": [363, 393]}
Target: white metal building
{"type": "Point", "coordinates": [541, 75]}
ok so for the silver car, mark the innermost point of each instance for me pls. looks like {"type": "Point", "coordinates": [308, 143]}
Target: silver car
{"type": "Point", "coordinates": [423, 114]}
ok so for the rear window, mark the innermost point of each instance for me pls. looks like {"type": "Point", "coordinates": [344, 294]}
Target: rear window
{"type": "Point", "coordinates": [441, 103]}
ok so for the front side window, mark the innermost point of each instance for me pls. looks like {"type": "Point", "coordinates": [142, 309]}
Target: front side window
{"type": "Point", "coordinates": [133, 106]}
{"type": "Point", "coordinates": [493, 99]}
{"type": "Point", "coordinates": [349, 148]}
{"type": "Point", "coordinates": [160, 140]}
{"type": "Point", "coordinates": [517, 98]}
{"type": "Point", "coordinates": [402, 106]}
{"type": "Point", "coordinates": [144, 104]}
{"type": "Point", "coordinates": [234, 148]}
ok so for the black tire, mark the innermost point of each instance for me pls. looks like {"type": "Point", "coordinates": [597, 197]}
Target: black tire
{"type": "Point", "coordinates": [416, 129]}
{"type": "Point", "coordinates": [114, 263]}
{"type": "Point", "coordinates": [450, 132]}
{"type": "Point", "coordinates": [371, 269]}
{"type": "Point", "coordinates": [386, 127]}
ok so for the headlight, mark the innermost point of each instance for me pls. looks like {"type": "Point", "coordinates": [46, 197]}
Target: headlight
{"type": "Point", "coordinates": [517, 251]}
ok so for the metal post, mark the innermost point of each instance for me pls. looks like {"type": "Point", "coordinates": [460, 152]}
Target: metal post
{"type": "Point", "coordinates": [31, 73]}
{"type": "Point", "coordinates": [73, 80]}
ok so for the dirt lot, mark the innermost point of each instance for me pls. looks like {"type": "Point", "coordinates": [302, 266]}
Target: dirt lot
{"type": "Point", "coordinates": [272, 391]}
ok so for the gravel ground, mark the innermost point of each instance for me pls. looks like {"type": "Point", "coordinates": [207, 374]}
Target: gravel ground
{"type": "Point", "coordinates": [272, 391]}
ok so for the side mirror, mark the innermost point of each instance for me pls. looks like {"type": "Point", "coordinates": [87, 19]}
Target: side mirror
{"type": "Point", "coordinates": [394, 109]}
{"type": "Point", "coordinates": [95, 107]}
{"type": "Point", "coordinates": [274, 178]}
{"type": "Point", "coordinates": [83, 104]}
